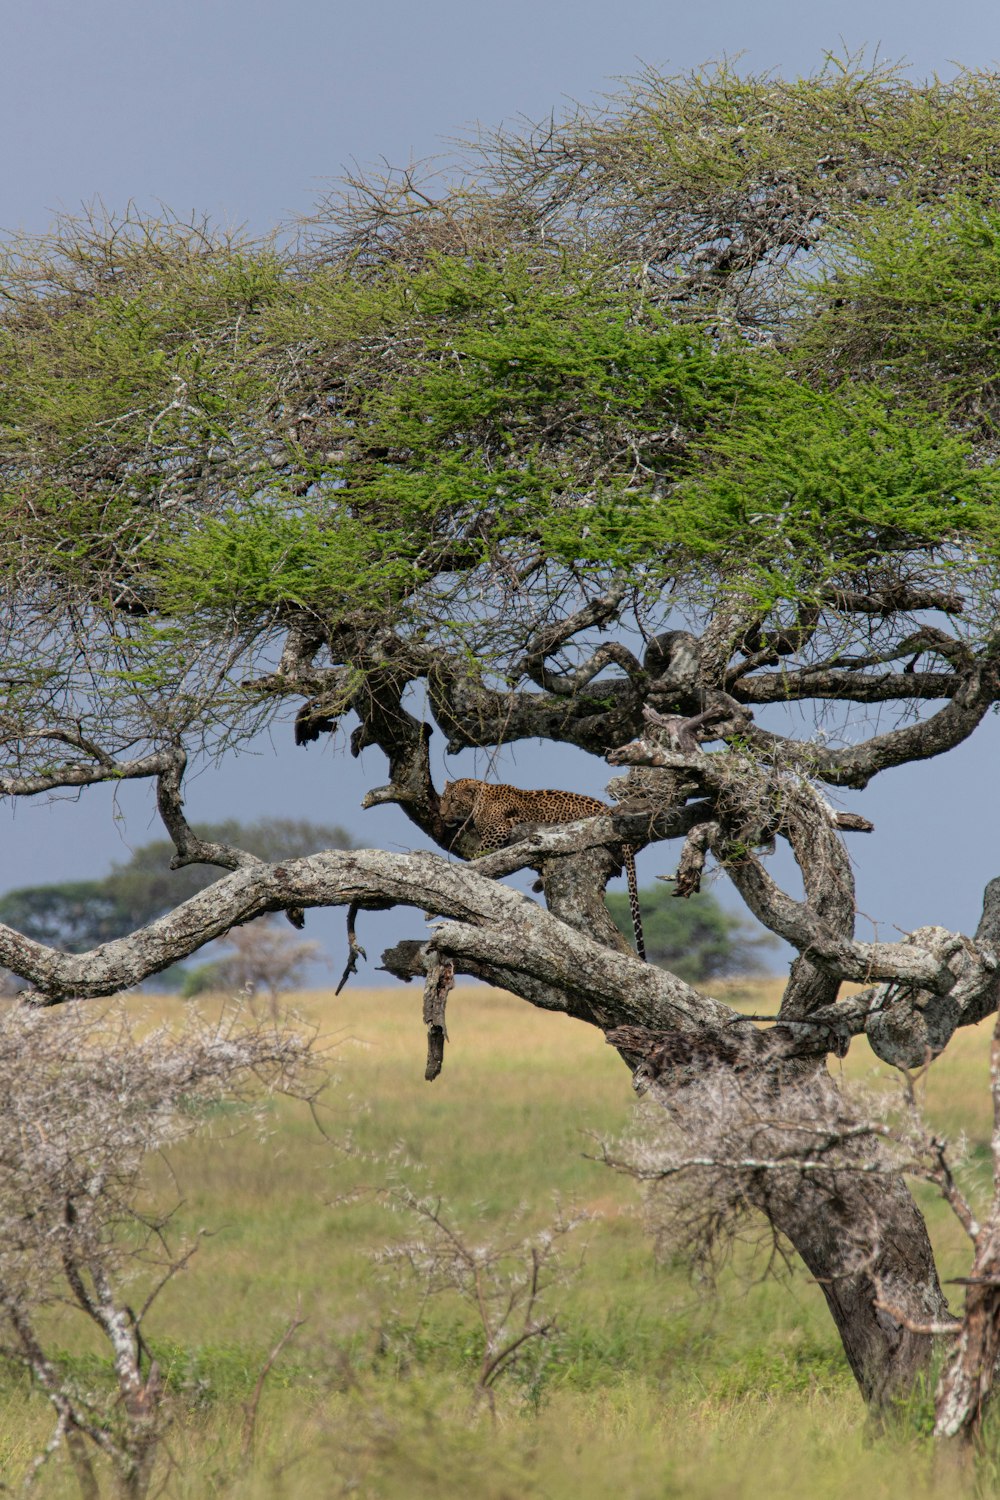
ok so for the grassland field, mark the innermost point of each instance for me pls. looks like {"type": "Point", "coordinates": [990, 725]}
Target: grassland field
{"type": "Point", "coordinates": [652, 1386]}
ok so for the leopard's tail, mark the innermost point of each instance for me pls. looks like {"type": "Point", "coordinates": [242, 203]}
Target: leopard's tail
{"type": "Point", "coordinates": [633, 900]}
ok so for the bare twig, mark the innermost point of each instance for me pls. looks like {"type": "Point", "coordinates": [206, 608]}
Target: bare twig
{"type": "Point", "coordinates": [251, 1407]}
{"type": "Point", "coordinates": [354, 948]}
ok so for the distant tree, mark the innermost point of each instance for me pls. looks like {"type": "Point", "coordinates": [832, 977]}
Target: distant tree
{"type": "Point", "coordinates": [263, 956]}
{"type": "Point", "coordinates": [696, 939]}
{"type": "Point", "coordinates": [73, 914]}
{"type": "Point", "coordinates": [77, 915]}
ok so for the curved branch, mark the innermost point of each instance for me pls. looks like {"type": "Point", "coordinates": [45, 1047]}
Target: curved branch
{"type": "Point", "coordinates": [567, 683]}
{"type": "Point", "coordinates": [842, 685]}
{"type": "Point", "coordinates": [485, 922]}
{"type": "Point", "coordinates": [191, 849]}
{"type": "Point", "coordinates": [473, 715]}
{"type": "Point", "coordinates": [105, 768]}
{"type": "Point", "coordinates": [856, 765]}
{"type": "Point", "coordinates": [551, 636]}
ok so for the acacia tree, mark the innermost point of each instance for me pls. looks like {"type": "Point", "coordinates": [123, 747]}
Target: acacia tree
{"type": "Point", "coordinates": [712, 367]}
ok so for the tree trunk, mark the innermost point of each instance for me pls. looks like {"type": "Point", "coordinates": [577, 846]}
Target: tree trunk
{"type": "Point", "coordinates": [864, 1240]}
{"type": "Point", "coordinates": [859, 1232]}
{"type": "Point", "coordinates": [966, 1383]}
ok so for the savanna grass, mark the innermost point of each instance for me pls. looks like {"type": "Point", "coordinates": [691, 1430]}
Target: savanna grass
{"type": "Point", "coordinates": [651, 1386]}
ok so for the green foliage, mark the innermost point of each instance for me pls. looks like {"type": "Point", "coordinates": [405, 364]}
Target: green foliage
{"type": "Point", "coordinates": [818, 482]}
{"type": "Point", "coordinates": [522, 385]}
{"type": "Point", "coordinates": [695, 938]}
{"type": "Point", "coordinates": [543, 408]}
{"type": "Point", "coordinates": [911, 294]}
{"type": "Point", "coordinates": [618, 361]}
{"type": "Point", "coordinates": [266, 554]}
{"type": "Point", "coordinates": [118, 357]}
{"type": "Point", "coordinates": [514, 340]}
{"type": "Point", "coordinates": [721, 131]}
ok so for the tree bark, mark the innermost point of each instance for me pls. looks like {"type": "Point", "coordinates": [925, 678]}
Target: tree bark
{"type": "Point", "coordinates": [861, 1236]}
{"type": "Point", "coordinates": [864, 1241]}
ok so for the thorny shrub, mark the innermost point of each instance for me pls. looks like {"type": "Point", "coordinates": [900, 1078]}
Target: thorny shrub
{"type": "Point", "coordinates": [85, 1097]}
{"type": "Point", "coordinates": [711, 1148]}
{"type": "Point", "coordinates": [507, 1277]}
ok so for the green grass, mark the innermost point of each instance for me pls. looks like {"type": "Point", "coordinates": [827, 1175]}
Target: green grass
{"type": "Point", "coordinates": [652, 1387]}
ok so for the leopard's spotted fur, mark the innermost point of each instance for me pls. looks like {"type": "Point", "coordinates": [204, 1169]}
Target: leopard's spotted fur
{"type": "Point", "coordinates": [495, 811]}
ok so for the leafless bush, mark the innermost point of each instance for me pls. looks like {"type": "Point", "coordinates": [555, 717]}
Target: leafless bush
{"type": "Point", "coordinates": [727, 1140]}
{"type": "Point", "coordinates": [727, 1143]}
{"type": "Point", "coordinates": [507, 1279]}
{"type": "Point", "coordinates": [84, 1099]}
{"type": "Point", "coordinates": [264, 956]}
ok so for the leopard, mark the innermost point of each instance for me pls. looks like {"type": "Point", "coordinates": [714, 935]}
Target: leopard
{"type": "Point", "coordinates": [496, 810]}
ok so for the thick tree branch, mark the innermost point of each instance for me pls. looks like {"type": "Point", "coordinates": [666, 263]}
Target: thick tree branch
{"type": "Point", "coordinates": [485, 922]}
{"type": "Point", "coordinates": [895, 598]}
{"type": "Point", "coordinates": [620, 827]}
{"type": "Point", "coordinates": [840, 684]}
{"type": "Point", "coordinates": [487, 930]}
{"type": "Point", "coordinates": [856, 765]}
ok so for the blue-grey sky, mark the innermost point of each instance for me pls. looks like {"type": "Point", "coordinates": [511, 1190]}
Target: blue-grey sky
{"type": "Point", "coordinates": [248, 111]}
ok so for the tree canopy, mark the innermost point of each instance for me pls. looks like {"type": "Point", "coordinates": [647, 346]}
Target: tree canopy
{"type": "Point", "coordinates": [730, 339]}
{"type": "Point", "coordinates": [684, 405]}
